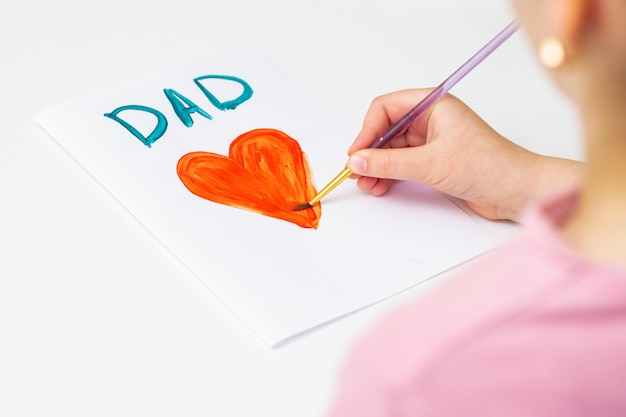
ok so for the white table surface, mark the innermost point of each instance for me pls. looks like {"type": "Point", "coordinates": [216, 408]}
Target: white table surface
{"type": "Point", "coordinates": [97, 318]}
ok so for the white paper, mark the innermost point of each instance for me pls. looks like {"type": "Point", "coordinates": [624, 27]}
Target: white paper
{"type": "Point", "coordinates": [279, 278]}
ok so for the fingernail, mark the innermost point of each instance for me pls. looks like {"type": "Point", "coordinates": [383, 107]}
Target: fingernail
{"type": "Point", "coordinates": [357, 164]}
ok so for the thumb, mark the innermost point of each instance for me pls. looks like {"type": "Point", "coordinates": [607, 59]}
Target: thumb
{"type": "Point", "coordinates": [412, 164]}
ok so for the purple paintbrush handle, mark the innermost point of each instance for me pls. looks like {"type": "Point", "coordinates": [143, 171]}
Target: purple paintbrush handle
{"type": "Point", "coordinates": [443, 88]}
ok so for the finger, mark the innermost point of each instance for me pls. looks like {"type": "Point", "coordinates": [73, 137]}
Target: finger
{"type": "Point", "coordinates": [381, 187]}
{"type": "Point", "coordinates": [376, 186]}
{"type": "Point", "coordinates": [414, 164]}
{"type": "Point", "coordinates": [382, 113]}
{"type": "Point", "coordinates": [391, 107]}
{"type": "Point", "coordinates": [366, 183]}
{"type": "Point", "coordinates": [366, 136]}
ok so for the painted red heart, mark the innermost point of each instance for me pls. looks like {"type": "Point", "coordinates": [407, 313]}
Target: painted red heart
{"type": "Point", "coordinates": [265, 172]}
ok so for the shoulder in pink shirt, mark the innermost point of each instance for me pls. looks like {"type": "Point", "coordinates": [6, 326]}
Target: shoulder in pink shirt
{"type": "Point", "coordinates": [530, 329]}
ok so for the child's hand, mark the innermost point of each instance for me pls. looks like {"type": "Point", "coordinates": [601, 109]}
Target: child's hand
{"type": "Point", "coordinates": [455, 151]}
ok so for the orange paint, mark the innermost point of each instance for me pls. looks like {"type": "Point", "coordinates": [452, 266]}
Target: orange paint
{"type": "Point", "coordinates": [265, 172]}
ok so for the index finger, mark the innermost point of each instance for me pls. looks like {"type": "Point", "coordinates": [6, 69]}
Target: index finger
{"type": "Point", "coordinates": [383, 112]}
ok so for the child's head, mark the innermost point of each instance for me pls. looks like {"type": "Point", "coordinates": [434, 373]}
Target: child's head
{"type": "Point", "coordinates": [592, 36]}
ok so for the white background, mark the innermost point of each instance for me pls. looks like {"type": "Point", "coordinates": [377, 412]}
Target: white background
{"type": "Point", "coordinates": [96, 317]}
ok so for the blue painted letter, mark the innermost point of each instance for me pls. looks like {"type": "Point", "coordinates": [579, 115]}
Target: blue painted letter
{"type": "Point", "coordinates": [158, 131]}
{"type": "Point", "coordinates": [230, 104]}
{"type": "Point", "coordinates": [178, 102]}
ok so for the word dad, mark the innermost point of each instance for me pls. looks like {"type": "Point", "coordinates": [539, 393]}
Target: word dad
{"type": "Point", "coordinates": [183, 107]}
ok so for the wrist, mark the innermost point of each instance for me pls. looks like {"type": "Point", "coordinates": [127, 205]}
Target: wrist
{"type": "Point", "coordinates": [550, 175]}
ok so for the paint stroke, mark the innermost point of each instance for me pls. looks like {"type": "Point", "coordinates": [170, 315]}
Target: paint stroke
{"type": "Point", "coordinates": [265, 172]}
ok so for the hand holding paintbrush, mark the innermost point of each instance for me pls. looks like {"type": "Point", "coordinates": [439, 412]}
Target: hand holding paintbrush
{"type": "Point", "coordinates": [436, 94]}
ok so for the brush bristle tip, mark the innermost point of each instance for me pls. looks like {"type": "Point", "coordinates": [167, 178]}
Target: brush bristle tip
{"type": "Point", "coordinates": [301, 207]}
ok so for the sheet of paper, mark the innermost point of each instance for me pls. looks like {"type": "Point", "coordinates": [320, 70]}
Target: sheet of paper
{"type": "Point", "coordinates": [280, 278]}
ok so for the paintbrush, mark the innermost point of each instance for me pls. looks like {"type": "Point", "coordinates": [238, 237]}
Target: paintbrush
{"type": "Point", "coordinates": [401, 125]}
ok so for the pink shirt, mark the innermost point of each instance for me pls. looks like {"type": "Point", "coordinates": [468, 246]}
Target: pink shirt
{"type": "Point", "coordinates": [528, 330]}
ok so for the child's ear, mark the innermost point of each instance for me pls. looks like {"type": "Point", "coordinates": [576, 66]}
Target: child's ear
{"type": "Point", "coordinates": [568, 20]}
